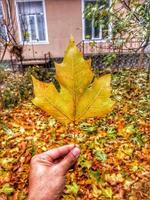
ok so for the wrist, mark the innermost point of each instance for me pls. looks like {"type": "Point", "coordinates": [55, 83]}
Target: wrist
{"type": "Point", "coordinates": [33, 197]}
{"type": "Point", "coordinates": [37, 197]}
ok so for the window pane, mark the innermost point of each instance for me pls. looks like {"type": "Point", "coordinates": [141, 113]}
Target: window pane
{"type": "Point", "coordinates": [88, 22]}
{"type": "Point", "coordinates": [32, 28]}
{"type": "Point", "coordinates": [3, 33]}
{"type": "Point", "coordinates": [105, 31]}
{"type": "Point", "coordinates": [2, 26]}
{"type": "Point", "coordinates": [88, 29]}
{"type": "Point", "coordinates": [1, 12]}
{"type": "Point", "coordinates": [96, 31]}
{"type": "Point", "coordinates": [41, 27]}
{"type": "Point", "coordinates": [24, 28]}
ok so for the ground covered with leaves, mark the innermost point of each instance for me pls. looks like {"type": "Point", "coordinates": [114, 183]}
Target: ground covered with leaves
{"type": "Point", "coordinates": [115, 151]}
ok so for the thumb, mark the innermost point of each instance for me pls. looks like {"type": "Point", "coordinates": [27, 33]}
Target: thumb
{"type": "Point", "coordinates": [69, 160]}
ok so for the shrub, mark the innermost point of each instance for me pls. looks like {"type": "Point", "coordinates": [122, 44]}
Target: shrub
{"type": "Point", "coordinates": [18, 87]}
{"type": "Point", "coordinates": [3, 75]}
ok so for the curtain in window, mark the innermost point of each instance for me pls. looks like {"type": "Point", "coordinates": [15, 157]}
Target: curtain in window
{"type": "Point", "coordinates": [2, 26]}
{"type": "Point", "coordinates": [30, 8]}
{"type": "Point", "coordinates": [41, 30]}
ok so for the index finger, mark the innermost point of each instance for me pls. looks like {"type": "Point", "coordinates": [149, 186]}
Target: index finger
{"type": "Point", "coordinates": [59, 152]}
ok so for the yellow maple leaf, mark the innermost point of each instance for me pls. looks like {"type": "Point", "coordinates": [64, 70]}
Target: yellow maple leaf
{"type": "Point", "coordinates": [79, 97]}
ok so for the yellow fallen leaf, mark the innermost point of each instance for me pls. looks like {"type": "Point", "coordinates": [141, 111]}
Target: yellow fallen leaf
{"type": "Point", "coordinates": [96, 192]}
{"type": "Point", "coordinates": [79, 98]}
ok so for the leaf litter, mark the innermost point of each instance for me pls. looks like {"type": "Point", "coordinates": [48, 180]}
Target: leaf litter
{"type": "Point", "coordinates": [114, 162]}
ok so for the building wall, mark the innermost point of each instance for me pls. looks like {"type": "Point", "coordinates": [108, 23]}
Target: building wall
{"type": "Point", "coordinates": [63, 18]}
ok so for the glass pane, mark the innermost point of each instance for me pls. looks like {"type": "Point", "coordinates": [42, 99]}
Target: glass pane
{"type": "Point", "coordinates": [41, 27]}
{"type": "Point", "coordinates": [105, 32]}
{"type": "Point", "coordinates": [32, 28]}
{"type": "Point", "coordinates": [1, 20]}
{"type": "Point", "coordinates": [2, 27]}
{"type": "Point", "coordinates": [33, 7]}
{"type": "Point", "coordinates": [1, 12]}
{"type": "Point", "coordinates": [88, 22]}
{"type": "Point", "coordinates": [3, 33]}
{"type": "Point", "coordinates": [24, 28]}
{"type": "Point", "coordinates": [88, 29]}
{"type": "Point", "coordinates": [89, 2]}
{"type": "Point", "coordinates": [24, 25]}
{"type": "Point", "coordinates": [96, 31]}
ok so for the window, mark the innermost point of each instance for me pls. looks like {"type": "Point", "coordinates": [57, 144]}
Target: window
{"type": "Point", "coordinates": [32, 21]}
{"type": "Point", "coordinates": [2, 26]}
{"type": "Point", "coordinates": [92, 29]}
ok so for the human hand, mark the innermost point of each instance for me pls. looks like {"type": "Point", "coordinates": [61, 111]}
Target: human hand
{"type": "Point", "coordinates": [48, 170]}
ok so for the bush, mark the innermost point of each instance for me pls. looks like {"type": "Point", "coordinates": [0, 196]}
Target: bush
{"type": "Point", "coordinates": [3, 75]}
{"type": "Point", "coordinates": [43, 74]}
{"type": "Point", "coordinates": [18, 87]}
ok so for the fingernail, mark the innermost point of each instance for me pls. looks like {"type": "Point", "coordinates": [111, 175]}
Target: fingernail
{"type": "Point", "coordinates": [76, 152]}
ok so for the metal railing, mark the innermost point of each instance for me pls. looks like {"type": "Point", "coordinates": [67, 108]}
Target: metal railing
{"type": "Point", "coordinates": [117, 46]}
{"type": "Point", "coordinates": [21, 64]}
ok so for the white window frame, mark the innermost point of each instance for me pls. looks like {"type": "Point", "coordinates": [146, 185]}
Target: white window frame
{"type": "Point", "coordinates": [100, 39]}
{"type": "Point", "coordinates": [45, 20]}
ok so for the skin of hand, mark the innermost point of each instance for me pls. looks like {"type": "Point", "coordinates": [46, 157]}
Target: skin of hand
{"type": "Point", "coordinates": [48, 170]}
